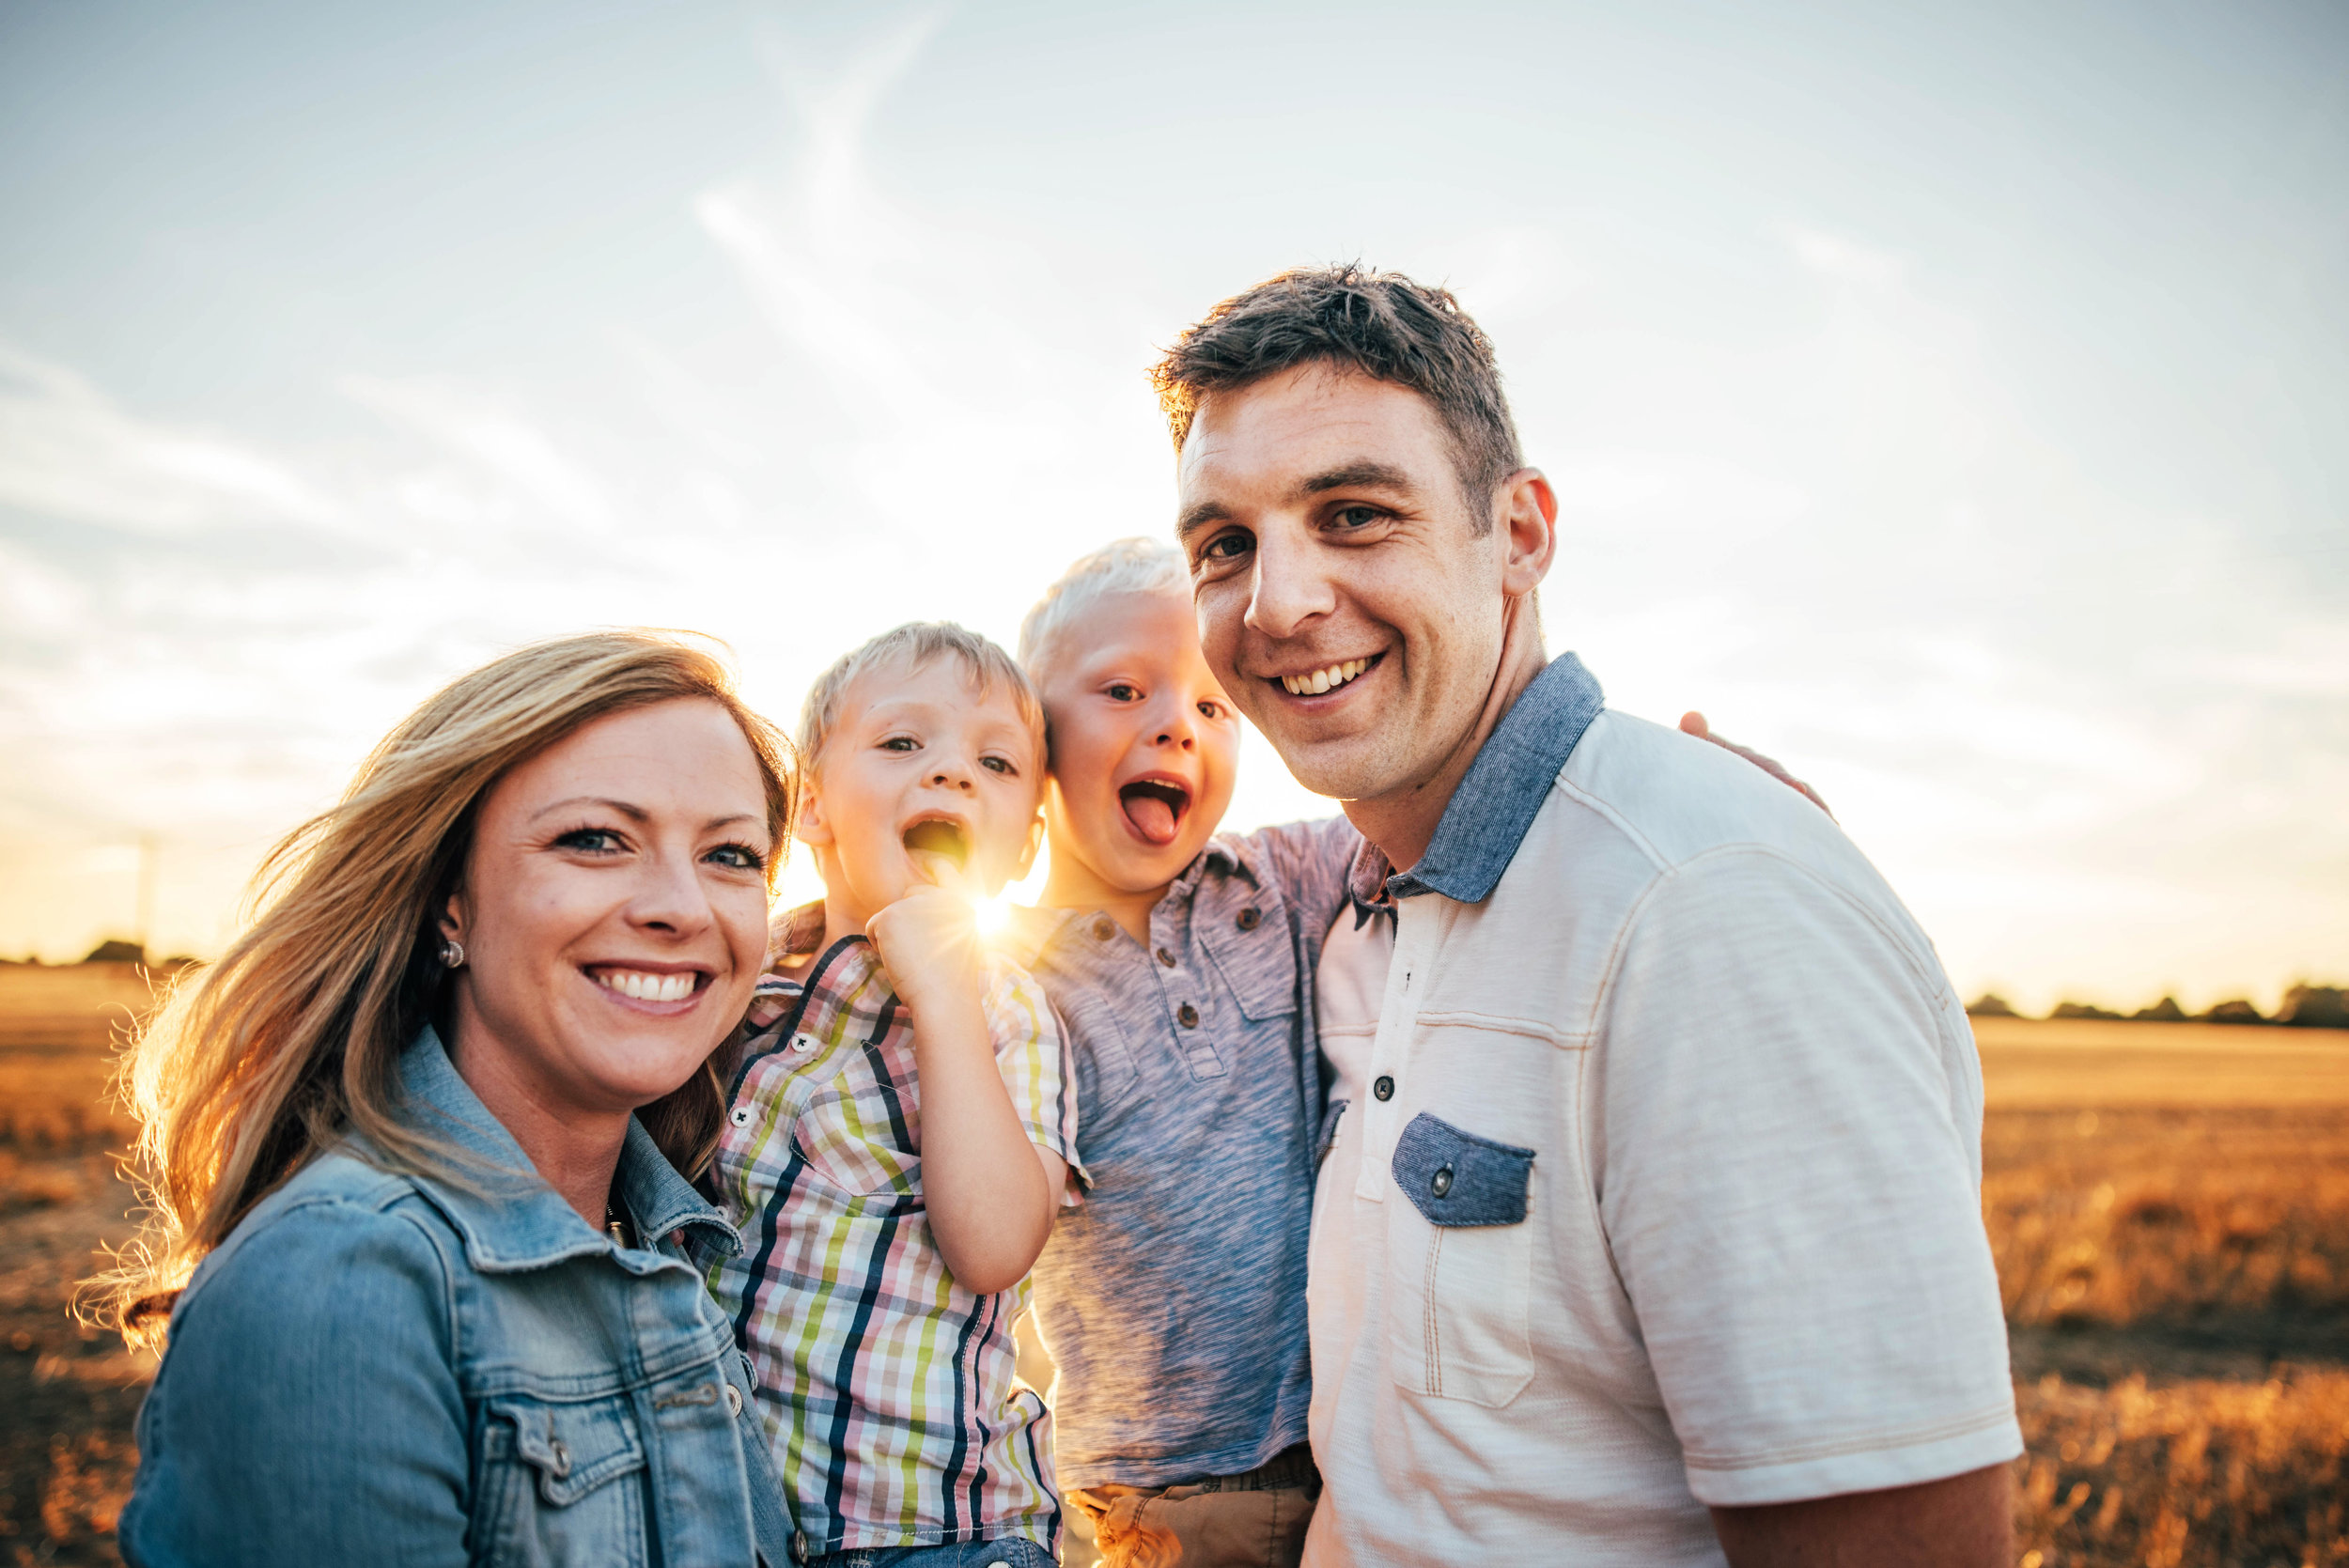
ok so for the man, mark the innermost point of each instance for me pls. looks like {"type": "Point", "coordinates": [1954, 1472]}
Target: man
{"type": "Point", "coordinates": [1649, 1228]}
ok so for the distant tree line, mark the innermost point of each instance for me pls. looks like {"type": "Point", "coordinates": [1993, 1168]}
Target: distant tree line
{"type": "Point", "coordinates": [2305, 1006]}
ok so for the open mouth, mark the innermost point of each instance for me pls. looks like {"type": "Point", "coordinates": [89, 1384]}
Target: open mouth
{"type": "Point", "coordinates": [648, 985]}
{"type": "Point", "coordinates": [1155, 807]}
{"type": "Point", "coordinates": [940, 836]}
{"type": "Point", "coordinates": [1313, 683]}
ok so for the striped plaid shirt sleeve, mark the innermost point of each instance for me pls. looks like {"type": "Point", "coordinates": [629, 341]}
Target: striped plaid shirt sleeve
{"type": "Point", "coordinates": [1031, 1054]}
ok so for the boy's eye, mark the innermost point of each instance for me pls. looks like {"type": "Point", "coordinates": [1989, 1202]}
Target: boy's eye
{"type": "Point", "coordinates": [1212, 710]}
{"type": "Point", "coordinates": [900, 743]}
{"type": "Point", "coordinates": [1124, 692]}
{"type": "Point", "coordinates": [592, 840]}
{"type": "Point", "coordinates": [999, 764]}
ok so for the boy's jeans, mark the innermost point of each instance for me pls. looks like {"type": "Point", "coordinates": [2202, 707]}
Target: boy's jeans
{"type": "Point", "coordinates": [1012, 1552]}
{"type": "Point", "coordinates": [1256, 1520]}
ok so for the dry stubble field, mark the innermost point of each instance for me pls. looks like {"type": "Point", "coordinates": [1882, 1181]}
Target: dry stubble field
{"type": "Point", "coordinates": [2168, 1205]}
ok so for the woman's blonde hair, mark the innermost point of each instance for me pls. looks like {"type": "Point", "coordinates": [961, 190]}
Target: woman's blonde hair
{"type": "Point", "coordinates": [292, 1039]}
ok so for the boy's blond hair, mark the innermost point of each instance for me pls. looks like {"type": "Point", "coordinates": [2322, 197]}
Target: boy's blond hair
{"type": "Point", "coordinates": [1135, 565]}
{"type": "Point", "coordinates": [915, 644]}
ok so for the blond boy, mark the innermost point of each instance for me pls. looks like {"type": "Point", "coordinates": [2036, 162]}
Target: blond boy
{"type": "Point", "coordinates": [1174, 1299]}
{"type": "Point", "coordinates": [903, 1123]}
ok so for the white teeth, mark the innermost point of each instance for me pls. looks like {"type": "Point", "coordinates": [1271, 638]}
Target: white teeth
{"type": "Point", "coordinates": [646, 988]}
{"type": "Point", "coordinates": [1314, 685]}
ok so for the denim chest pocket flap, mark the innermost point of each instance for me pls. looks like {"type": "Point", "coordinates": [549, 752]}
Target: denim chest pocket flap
{"type": "Point", "coordinates": [574, 1449]}
{"type": "Point", "coordinates": [1458, 1180]}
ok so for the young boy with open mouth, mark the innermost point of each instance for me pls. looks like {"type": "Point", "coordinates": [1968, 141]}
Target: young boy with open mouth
{"type": "Point", "coordinates": [903, 1123]}
{"type": "Point", "coordinates": [1174, 1298]}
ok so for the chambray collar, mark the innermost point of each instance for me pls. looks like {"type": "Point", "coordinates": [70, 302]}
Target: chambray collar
{"type": "Point", "coordinates": [1504, 790]}
{"type": "Point", "coordinates": [510, 1217]}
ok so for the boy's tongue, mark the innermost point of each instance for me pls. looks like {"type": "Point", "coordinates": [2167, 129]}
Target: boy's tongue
{"type": "Point", "coordinates": [1152, 817]}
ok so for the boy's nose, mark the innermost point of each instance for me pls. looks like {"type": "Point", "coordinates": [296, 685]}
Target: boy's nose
{"type": "Point", "coordinates": [952, 777]}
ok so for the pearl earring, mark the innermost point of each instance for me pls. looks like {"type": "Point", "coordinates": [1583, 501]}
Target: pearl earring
{"type": "Point", "coordinates": [453, 953]}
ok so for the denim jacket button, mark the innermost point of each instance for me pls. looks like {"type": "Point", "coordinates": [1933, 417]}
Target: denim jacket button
{"type": "Point", "coordinates": [1104, 928]}
{"type": "Point", "coordinates": [1187, 1016]}
{"type": "Point", "coordinates": [1440, 1183]}
{"type": "Point", "coordinates": [799, 1546]}
{"type": "Point", "coordinates": [1165, 957]}
{"type": "Point", "coordinates": [734, 1399]}
{"type": "Point", "coordinates": [1251, 918]}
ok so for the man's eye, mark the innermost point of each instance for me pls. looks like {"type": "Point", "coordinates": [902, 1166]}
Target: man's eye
{"type": "Point", "coordinates": [1356, 517]}
{"type": "Point", "coordinates": [1227, 547]}
{"type": "Point", "coordinates": [593, 840]}
{"type": "Point", "coordinates": [742, 857]}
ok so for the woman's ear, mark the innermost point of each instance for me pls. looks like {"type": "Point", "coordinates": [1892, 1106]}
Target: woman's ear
{"type": "Point", "coordinates": [452, 921]}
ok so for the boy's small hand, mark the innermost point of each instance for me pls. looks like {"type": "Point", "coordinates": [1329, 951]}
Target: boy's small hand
{"type": "Point", "coordinates": [1693, 724]}
{"type": "Point", "coordinates": [929, 941]}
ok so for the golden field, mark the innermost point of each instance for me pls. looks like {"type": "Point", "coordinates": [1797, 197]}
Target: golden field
{"type": "Point", "coordinates": [2168, 1205]}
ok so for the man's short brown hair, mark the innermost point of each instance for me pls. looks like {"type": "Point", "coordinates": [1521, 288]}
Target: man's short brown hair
{"type": "Point", "coordinates": [1382, 324]}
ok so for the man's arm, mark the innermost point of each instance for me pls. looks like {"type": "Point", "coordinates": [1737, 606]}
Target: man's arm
{"type": "Point", "coordinates": [1967, 1521]}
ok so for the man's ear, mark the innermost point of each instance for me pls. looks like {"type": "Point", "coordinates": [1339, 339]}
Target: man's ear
{"type": "Point", "coordinates": [809, 826]}
{"type": "Point", "coordinates": [1528, 512]}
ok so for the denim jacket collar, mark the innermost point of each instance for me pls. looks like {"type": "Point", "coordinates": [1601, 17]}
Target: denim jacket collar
{"type": "Point", "coordinates": [510, 1217]}
{"type": "Point", "coordinates": [1504, 790]}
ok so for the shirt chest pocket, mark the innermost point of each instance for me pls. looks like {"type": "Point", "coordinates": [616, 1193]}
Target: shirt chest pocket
{"type": "Point", "coordinates": [560, 1483]}
{"type": "Point", "coordinates": [1460, 1265]}
{"type": "Point", "coordinates": [861, 1131]}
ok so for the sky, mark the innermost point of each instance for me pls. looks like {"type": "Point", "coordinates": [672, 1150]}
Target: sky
{"type": "Point", "coordinates": [1951, 400]}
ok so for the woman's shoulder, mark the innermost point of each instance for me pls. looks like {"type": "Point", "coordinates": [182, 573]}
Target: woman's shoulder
{"type": "Point", "coordinates": [336, 1221]}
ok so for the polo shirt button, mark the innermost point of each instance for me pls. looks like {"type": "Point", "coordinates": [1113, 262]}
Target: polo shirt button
{"type": "Point", "coordinates": [1104, 928]}
{"type": "Point", "coordinates": [1251, 918]}
{"type": "Point", "coordinates": [1187, 1016]}
{"type": "Point", "coordinates": [1440, 1183]}
{"type": "Point", "coordinates": [1165, 957]}
{"type": "Point", "coordinates": [1383, 1088]}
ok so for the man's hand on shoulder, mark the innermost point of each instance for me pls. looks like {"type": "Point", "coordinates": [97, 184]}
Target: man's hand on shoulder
{"type": "Point", "coordinates": [1967, 1521]}
{"type": "Point", "coordinates": [1692, 723]}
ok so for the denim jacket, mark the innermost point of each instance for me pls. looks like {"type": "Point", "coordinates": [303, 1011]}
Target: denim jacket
{"type": "Point", "coordinates": [379, 1368]}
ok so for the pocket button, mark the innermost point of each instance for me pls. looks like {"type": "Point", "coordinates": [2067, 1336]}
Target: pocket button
{"type": "Point", "coordinates": [1440, 1183]}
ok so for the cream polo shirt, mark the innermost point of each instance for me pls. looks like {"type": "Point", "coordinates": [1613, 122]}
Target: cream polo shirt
{"type": "Point", "coordinates": [1655, 1180]}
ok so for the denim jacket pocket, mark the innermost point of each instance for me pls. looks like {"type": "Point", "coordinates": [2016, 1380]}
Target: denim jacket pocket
{"type": "Point", "coordinates": [1460, 1262]}
{"type": "Point", "coordinates": [555, 1486]}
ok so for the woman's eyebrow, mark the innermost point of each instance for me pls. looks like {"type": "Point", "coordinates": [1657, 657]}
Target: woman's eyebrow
{"type": "Point", "coordinates": [633, 812]}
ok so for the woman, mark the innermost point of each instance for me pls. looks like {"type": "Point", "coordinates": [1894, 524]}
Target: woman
{"type": "Point", "coordinates": [416, 1142]}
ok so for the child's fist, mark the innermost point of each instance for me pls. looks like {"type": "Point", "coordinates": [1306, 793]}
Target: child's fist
{"type": "Point", "coordinates": [929, 941]}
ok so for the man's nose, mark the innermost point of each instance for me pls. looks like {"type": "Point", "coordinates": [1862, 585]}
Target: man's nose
{"type": "Point", "coordinates": [1287, 586]}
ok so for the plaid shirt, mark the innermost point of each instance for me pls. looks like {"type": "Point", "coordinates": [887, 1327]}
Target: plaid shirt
{"type": "Point", "coordinates": [888, 1390]}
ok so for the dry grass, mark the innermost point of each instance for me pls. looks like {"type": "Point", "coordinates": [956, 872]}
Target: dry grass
{"type": "Point", "coordinates": [2169, 1207]}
